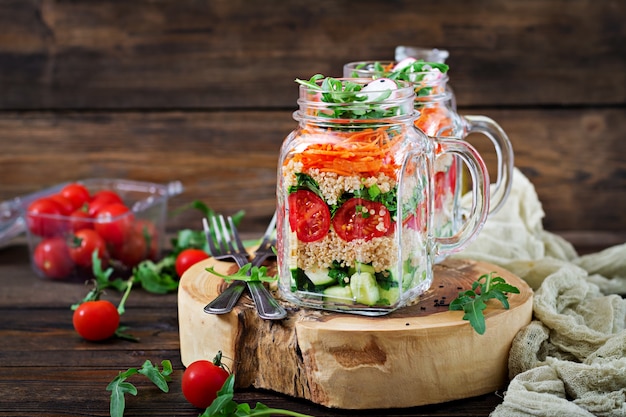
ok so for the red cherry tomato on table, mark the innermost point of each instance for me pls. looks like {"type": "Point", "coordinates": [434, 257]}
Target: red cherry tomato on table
{"type": "Point", "coordinates": [202, 380]}
{"type": "Point", "coordinates": [309, 216]}
{"type": "Point", "coordinates": [187, 258]}
{"type": "Point", "coordinates": [77, 193]}
{"type": "Point", "coordinates": [113, 222]}
{"type": "Point", "coordinates": [96, 320]}
{"type": "Point", "coordinates": [84, 243]}
{"type": "Point", "coordinates": [52, 257]}
{"type": "Point", "coordinates": [361, 219]}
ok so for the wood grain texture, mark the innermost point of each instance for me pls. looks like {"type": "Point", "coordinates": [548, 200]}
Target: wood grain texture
{"type": "Point", "coordinates": [416, 355]}
{"type": "Point", "coordinates": [576, 158]}
{"type": "Point", "coordinates": [240, 54]}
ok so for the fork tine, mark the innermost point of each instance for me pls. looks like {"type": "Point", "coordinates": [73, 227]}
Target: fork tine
{"type": "Point", "coordinates": [220, 233]}
{"type": "Point", "coordinates": [228, 235]}
{"type": "Point", "coordinates": [235, 235]}
{"type": "Point", "coordinates": [209, 238]}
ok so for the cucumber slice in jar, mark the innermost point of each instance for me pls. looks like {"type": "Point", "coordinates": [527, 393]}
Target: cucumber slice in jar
{"type": "Point", "coordinates": [389, 297]}
{"type": "Point", "coordinates": [361, 267]}
{"type": "Point", "coordinates": [320, 276]}
{"type": "Point", "coordinates": [338, 294]}
{"type": "Point", "coordinates": [364, 288]}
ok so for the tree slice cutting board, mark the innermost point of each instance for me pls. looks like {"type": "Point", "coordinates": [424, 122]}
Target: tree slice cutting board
{"type": "Point", "coordinates": [420, 354]}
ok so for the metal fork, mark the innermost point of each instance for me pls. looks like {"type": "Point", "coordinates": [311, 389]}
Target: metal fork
{"type": "Point", "coordinates": [230, 246]}
{"type": "Point", "coordinates": [225, 301]}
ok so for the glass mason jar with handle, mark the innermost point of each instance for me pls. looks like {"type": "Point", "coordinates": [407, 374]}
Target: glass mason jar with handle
{"type": "Point", "coordinates": [438, 117]}
{"type": "Point", "coordinates": [355, 197]}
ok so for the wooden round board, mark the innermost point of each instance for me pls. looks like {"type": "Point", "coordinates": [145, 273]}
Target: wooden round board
{"type": "Point", "coordinates": [420, 354]}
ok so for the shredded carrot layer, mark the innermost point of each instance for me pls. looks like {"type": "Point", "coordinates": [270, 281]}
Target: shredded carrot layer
{"type": "Point", "coordinates": [364, 153]}
{"type": "Point", "coordinates": [431, 120]}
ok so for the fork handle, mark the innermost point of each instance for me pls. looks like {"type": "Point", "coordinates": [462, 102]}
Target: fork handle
{"type": "Point", "coordinates": [267, 307]}
{"type": "Point", "coordinates": [225, 302]}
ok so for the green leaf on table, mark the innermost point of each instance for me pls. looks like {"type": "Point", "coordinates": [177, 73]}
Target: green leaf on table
{"type": "Point", "coordinates": [225, 406]}
{"type": "Point", "coordinates": [158, 378]}
{"type": "Point", "coordinates": [119, 386]}
{"type": "Point", "coordinates": [473, 302]}
{"type": "Point", "coordinates": [157, 277]}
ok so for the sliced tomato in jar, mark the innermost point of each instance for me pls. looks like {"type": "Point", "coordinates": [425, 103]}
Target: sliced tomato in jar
{"type": "Point", "coordinates": [362, 219]}
{"type": "Point", "coordinates": [309, 216]}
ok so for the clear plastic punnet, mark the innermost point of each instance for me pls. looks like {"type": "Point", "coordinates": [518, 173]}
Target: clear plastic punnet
{"type": "Point", "coordinates": [59, 236]}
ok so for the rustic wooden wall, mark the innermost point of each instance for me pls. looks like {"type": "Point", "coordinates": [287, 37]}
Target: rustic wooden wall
{"type": "Point", "coordinates": [203, 91]}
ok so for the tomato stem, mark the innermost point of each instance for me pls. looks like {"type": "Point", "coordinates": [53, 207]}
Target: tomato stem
{"type": "Point", "coordinates": [120, 306]}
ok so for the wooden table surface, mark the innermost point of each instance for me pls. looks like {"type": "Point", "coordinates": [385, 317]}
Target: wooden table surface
{"type": "Point", "coordinates": [48, 370]}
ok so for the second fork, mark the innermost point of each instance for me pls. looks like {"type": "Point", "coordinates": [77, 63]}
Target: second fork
{"type": "Point", "coordinates": [267, 306]}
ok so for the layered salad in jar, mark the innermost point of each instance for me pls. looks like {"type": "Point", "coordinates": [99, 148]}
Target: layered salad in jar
{"type": "Point", "coordinates": [437, 117]}
{"type": "Point", "coordinates": [352, 234]}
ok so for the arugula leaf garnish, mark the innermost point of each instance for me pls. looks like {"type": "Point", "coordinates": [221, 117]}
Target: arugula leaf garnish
{"type": "Point", "coordinates": [473, 302]}
{"type": "Point", "coordinates": [246, 273]}
{"type": "Point", "coordinates": [346, 100]}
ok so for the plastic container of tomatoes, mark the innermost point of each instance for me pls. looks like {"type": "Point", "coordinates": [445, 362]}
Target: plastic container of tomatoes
{"type": "Point", "coordinates": [120, 222]}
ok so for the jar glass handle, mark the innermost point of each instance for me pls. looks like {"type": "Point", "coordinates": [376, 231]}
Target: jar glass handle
{"type": "Point", "coordinates": [504, 153]}
{"type": "Point", "coordinates": [477, 214]}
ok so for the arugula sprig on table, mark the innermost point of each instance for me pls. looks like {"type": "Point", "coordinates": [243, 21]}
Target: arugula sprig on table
{"type": "Point", "coordinates": [473, 302]}
{"type": "Point", "coordinates": [222, 406]}
{"type": "Point", "coordinates": [225, 406]}
{"type": "Point", "coordinates": [119, 387]}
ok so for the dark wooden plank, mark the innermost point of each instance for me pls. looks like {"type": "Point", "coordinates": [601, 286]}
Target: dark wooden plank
{"type": "Point", "coordinates": [576, 158]}
{"type": "Point", "coordinates": [241, 54]}
{"type": "Point", "coordinates": [57, 391]}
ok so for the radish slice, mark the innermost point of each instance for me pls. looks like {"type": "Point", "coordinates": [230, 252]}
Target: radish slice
{"type": "Point", "coordinates": [404, 63]}
{"type": "Point", "coordinates": [377, 89]}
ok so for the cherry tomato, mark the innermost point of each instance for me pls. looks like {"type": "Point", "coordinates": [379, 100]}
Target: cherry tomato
{"type": "Point", "coordinates": [103, 198]}
{"type": "Point", "coordinates": [308, 216]}
{"type": "Point", "coordinates": [149, 232]}
{"type": "Point", "coordinates": [140, 243]}
{"type": "Point", "coordinates": [187, 258]}
{"type": "Point", "coordinates": [44, 217]}
{"type": "Point", "coordinates": [52, 257]}
{"type": "Point", "coordinates": [445, 184]}
{"type": "Point", "coordinates": [96, 320]}
{"type": "Point", "coordinates": [66, 205]}
{"type": "Point", "coordinates": [113, 222]}
{"type": "Point", "coordinates": [202, 380]}
{"type": "Point", "coordinates": [361, 219]}
{"type": "Point", "coordinates": [80, 219]}
{"type": "Point", "coordinates": [84, 243]}
{"type": "Point", "coordinates": [77, 193]}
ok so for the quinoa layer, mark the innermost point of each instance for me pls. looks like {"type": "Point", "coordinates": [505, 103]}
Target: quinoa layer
{"type": "Point", "coordinates": [380, 252]}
